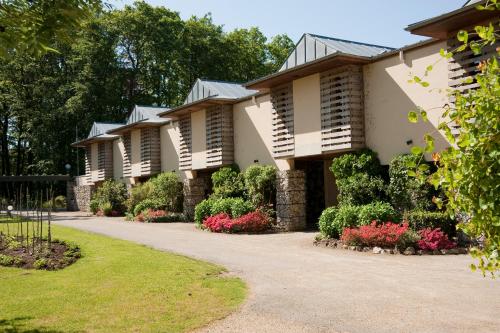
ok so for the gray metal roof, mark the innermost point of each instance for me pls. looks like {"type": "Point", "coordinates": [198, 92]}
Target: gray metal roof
{"type": "Point", "coordinates": [312, 47]}
{"type": "Point", "coordinates": [206, 88]}
{"type": "Point", "coordinates": [146, 113]}
{"type": "Point", "coordinates": [470, 2]}
{"type": "Point", "coordinates": [100, 129]}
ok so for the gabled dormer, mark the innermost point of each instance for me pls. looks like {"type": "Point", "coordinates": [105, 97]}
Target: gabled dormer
{"type": "Point", "coordinates": [206, 123]}
{"type": "Point", "coordinates": [98, 152]}
{"type": "Point", "coordinates": [141, 141]}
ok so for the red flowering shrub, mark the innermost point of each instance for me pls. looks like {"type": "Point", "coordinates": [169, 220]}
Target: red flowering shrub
{"type": "Point", "coordinates": [385, 235]}
{"type": "Point", "coordinates": [256, 221]}
{"type": "Point", "coordinates": [218, 223]}
{"type": "Point", "coordinates": [434, 239]}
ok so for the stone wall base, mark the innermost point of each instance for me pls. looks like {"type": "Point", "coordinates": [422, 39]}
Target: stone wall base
{"type": "Point", "coordinates": [194, 192]}
{"type": "Point", "coordinates": [81, 196]}
{"type": "Point", "coordinates": [291, 200]}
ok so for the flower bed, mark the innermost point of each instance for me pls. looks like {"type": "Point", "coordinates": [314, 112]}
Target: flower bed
{"type": "Point", "coordinates": [392, 238]}
{"type": "Point", "coordinates": [159, 216]}
{"type": "Point", "coordinates": [255, 221]}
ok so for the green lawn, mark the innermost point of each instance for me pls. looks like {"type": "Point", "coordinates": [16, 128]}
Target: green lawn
{"type": "Point", "coordinates": [117, 286]}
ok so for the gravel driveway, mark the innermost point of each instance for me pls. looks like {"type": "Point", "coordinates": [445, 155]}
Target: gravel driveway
{"type": "Point", "coordinates": [296, 287]}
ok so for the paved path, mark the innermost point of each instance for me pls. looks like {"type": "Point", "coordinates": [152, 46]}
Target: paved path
{"type": "Point", "coordinates": [296, 287]}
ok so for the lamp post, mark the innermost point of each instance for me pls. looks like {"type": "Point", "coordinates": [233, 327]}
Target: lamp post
{"type": "Point", "coordinates": [67, 166]}
{"type": "Point", "coordinates": [9, 210]}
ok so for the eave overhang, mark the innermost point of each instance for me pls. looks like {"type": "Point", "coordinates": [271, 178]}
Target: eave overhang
{"type": "Point", "coordinates": [322, 64]}
{"type": "Point", "coordinates": [197, 106]}
{"type": "Point", "coordinates": [138, 125]}
{"type": "Point", "coordinates": [443, 25]}
{"type": "Point", "coordinates": [100, 138]}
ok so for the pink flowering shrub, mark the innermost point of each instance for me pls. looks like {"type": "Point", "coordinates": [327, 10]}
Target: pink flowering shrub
{"type": "Point", "coordinates": [385, 235]}
{"type": "Point", "coordinates": [218, 223]}
{"type": "Point", "coordinates": [434, 239]}
{"type": "Point", "coordinates": [256, 221]}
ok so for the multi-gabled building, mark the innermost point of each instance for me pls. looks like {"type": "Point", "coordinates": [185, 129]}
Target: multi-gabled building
{"type": "Point", "coordinates": [331, 96]}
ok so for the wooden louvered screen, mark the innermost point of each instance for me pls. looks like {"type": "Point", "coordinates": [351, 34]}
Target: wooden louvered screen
{"type": "Point", "coordinates": [342, 118]}
{"type": "Point", "coordinates": [464, 64]}
{"type": "Point", "coordinates": [88, 163]}
{"type": "Point", "coordinates": [283, 134]}
{"type": "Point", "coordinates": [105, 160]}
{"type": "Point", "coordinates": [127, 155]}
{"type": "Point", "coordinates": [150, 151]}
{"type": "Point", "coordinates": [219, 135]}
{"type": "Point", "coordinates": [185, 154]}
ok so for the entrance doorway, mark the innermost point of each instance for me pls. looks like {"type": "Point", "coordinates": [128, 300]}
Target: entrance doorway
{"type": "Point", "coordinates": [321, 191]}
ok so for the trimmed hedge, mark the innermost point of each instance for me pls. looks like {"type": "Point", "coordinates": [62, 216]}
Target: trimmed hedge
{"type": "Point", "coordinates": [377, 211]}
{"type": "Point", "coordinates": [420, 219]}
{"type": "Point", "coordinates": [234, 207]}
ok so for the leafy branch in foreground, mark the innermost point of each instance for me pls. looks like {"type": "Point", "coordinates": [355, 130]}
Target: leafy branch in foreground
{"type": "Point", "coordinates": [469, 170]}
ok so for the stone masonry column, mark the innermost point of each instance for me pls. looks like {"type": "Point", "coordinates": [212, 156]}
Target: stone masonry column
{"type": "Point", "coordinates": [291, 200]}
{"type": "Point", "coordinates": [194, 193]}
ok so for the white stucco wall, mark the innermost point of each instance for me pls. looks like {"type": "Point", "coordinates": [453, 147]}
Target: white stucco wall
{"type": "Point", "coordinates": [253, 133]}
{"type": "Point", "coordinates": [389, 97]}
{"type": "Point", "coordinates": [135, 137]}
{"type": "Point", "coordinates": [307, 115]}
{"type": "Point", "coordinates": [170, 141]}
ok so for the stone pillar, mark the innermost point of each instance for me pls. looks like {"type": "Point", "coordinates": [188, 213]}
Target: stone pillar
{"type": "Point", "coordinates": [291, 200]}
{"type": "Point", "coordinates": [82, 197]}
{"type": "Point", "coordinates": [70, 196]}
{"type": "Point", "coordinates": [194, 193]}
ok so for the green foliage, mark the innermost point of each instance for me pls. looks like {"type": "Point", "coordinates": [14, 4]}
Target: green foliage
{"type": "Point", "coordinates": [360, 189]}
{"type": "Point", "coordinates": [6, 260]}
{"type": "Point", "coordinates": [409, 238]}
{"type": "Point", "coordinates": [333, 220]}
{"type": "Point", "coordinates": [40, 263]}
{"type": "Point", "coordinates": [107, 208]}
{"type": "Point", "coordinates": [139, 193]}
{"type": "Point", "coordinates": [202, 211]}
{"type": "Point", "coordinates": [260, 184]}
{"type": "Point", "coordinates": [420, 219]}
{"type": "Point", "coordinates": [358, 178]}
{"type": "Point", "coordinates": [234, 207]}
{"type": "Point", "coordinates": [228, 183]}
{"type": "Point", "coordinates": [60, 202]}
{"type": "Point", "coordinates": [326, 226]}
{"type": "Point", "coordinates": [112, 192]}
{"type": "Point", "coordinates": [469, 170]}
{"type": "Point", "coordinates": [363, 161]}
{"type": "Point", "coordinates": [149, 203]}
{"type": "Point", "coordinates": [94, 206]}
{"type": "Point", "coordinates": [376, 211]}
{"type": "Point", "coordinates": [167, 188]}
{"type": "Point", "coordinates": [406, 192]}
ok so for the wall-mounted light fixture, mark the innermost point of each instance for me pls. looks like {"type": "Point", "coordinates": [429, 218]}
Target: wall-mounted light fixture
{"type": "Point", "coordinates": [409, 142]}
{"type": "Point", "coordinates": [256, 161]}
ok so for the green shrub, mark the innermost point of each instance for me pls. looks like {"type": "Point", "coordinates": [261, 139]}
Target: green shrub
{"type": "Point", "coordinates": [167, 188]}
{"type": "Point", "coordinates": [376, 211]}
{"type": "Point", "coordinates": [6, 260]}
{"type": "Point", "coordinates": [333, 220]}
{"type": "Point", "coordinates": [107, 208]}
{"type": "Point", "coordinates": [40, 263]}
{"type": "Point", "coordinates": [234, 207]}
{"type": "Point", "coordinates": [60, 202]}
{"type": "Point", "coordinates": [154, 204]}
{"type": "Point", "coordinates": [228, 183]}
{"type": "Point", "coordinates": [409, 238]}
{"type": "Point", "coordinates": [360, 189]}
{"type": "Point", "coordinates": [170, 217]}
{"type": "Point", "coordinates": [406, 192]}
{"type": "Point", "coordinates": [139, 193]}
{"type": "Point", "coordinates": [419, 219]}
{"type": "Point", "coordinates": [202, 211]}
{"type": "Point", "coordinates": [113, 192]}
{"type": "Point", "coordinates": [94, 206]}
{"type": "Point", "coordinates": [326, 222]}
{"type": "Point", "coordinates": [363, 161]}
{"type": "Point", "coordinates": [260, 184]}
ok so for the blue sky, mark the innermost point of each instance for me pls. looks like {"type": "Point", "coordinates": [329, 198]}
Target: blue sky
{"type": "Point", "coordinates": [371, 21]}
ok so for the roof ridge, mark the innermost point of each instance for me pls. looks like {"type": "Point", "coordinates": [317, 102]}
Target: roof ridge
{"type": "Point", "coordinates": [348, 41]}
{"type": "Point", "coordinates": [152, 106]}
{"type": "Point", "coordinates": [220, 81]}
